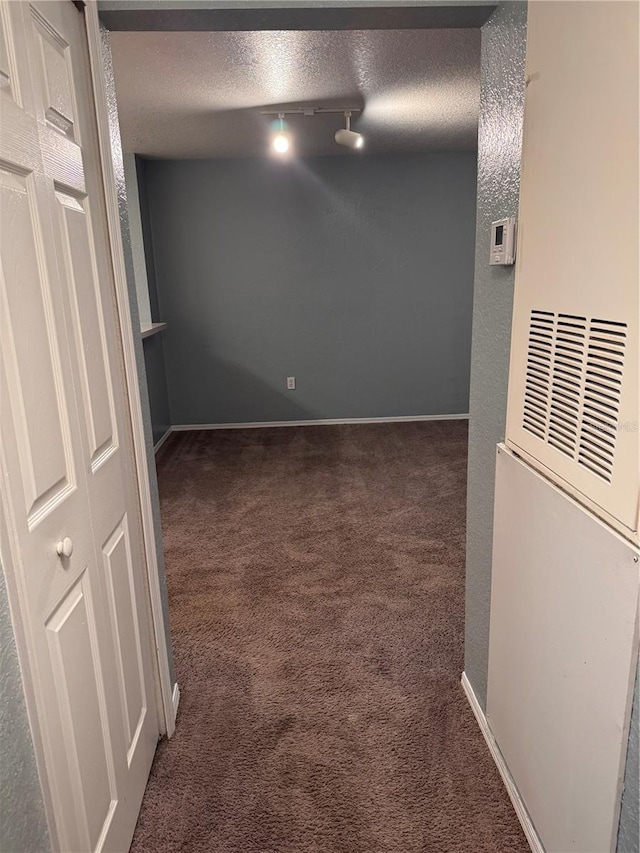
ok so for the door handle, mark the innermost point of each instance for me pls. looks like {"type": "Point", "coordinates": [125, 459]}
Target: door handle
{"type": "Point", "coordinates": [65, 547]}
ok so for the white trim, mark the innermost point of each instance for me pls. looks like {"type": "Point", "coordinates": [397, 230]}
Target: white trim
{"type": "Point", "coordinates": [130, 368]}
{"type": "Point", "coordinates": [520, 809]}
{"type": "Point", "coordinates": [320, 422]}
{"type": "Point", "coordinates": [161, 441]}
{"type": "Point", "coordinates": [175, 699]}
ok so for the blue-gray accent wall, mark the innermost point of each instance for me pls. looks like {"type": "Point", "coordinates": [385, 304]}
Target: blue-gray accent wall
{"type": "Point", "coordinates": [23, 824]}
{"type": "Point", "coordinates": [499, 148]}
{"type": "Point", "coordinates": [153, 346]}
{"type": "Point", "coordinates": [629, 829]}
{"type": "Point", "coordinates": [353, 274]}
{"type": "Point", "coordinates": [156, 386]}
{"type": "Point", "coordinates": [127, 250]}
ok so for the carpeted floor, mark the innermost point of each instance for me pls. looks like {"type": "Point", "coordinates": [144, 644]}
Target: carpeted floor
{"type": "Point", "coordinates": [316, 585]}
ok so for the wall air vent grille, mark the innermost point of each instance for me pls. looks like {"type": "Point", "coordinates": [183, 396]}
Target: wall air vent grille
{"type": "Point", "coordinates": [573, 383]}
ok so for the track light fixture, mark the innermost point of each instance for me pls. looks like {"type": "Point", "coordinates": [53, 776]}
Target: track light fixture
{"type": "Point", "coordinates": [349, 137]}
{"type": "Point", "coordinates": [281, 141]}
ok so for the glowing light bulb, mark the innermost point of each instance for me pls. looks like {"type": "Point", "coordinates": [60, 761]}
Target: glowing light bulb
{"type": "Point", "coordinates": [281, 143]}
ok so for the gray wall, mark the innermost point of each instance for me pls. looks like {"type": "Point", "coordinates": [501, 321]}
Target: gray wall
{"type": "Point", "coordinates": [153, 346]}
{"type": "Point", "coordinates": [23, 825]}
{"type": "Point", "coordinates": [118, 170]}
{"type": "Point", "coordinates": [629, 830]}
{"type": "Point", "coordinates": [130, 165]}
{"type": "Point", "coordinates": [499, 144]}
{"type": "Point", "coordinates": [156, 386]}
{"type": "Point", "coordinates": [354, 274]}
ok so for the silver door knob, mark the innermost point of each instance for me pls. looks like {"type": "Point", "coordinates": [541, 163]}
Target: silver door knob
{"type": "Point", "coordinates": [65, 547]}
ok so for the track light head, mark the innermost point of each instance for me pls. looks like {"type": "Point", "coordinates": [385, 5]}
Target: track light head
{"type": "Point", "coordinates": [281, 142]}
{"type": "Point", "coordinates": [349, 138]}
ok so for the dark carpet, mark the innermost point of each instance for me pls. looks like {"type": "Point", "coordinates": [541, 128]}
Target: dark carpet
{"type": "Point", "coordinates": [316, 586]}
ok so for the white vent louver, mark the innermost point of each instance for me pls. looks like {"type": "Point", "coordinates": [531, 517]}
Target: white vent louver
{"type": "Point", "coordinates": [573, 383]}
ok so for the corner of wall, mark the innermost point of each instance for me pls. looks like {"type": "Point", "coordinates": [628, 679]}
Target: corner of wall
{"type": "Point", "coordinates": [629, 826]}
{"type": "Point", "coordinates": [499, 148]}
{"type": "Point", "coordinates": [118, 168]}
{"type": "Point", "coordinates": [154, 351]}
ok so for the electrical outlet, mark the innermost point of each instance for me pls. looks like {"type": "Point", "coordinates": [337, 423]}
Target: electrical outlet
{"type": "Point", "coordinates": [291, 383]}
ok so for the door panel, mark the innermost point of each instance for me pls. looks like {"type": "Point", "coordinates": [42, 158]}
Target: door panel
{"type": "Point", "coordinates": [119, 571]}
{"type": "Point", "coordinates": [7, 75]}
{"type": "Point", "coordinates": [88, 329]}
{"type": "Point", "coordinates": [81, 700]}
{"type": "Point", "coordinates": [55, 71]}
{"type": "Point", "coordinates": [41, 417]}
{"type": "Point", "coordinates": [66, 453]}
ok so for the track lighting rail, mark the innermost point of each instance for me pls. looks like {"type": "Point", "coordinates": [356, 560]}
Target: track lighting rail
{"type": "Point", "coordinates": [311, 111]}
{"type": "Point", "coordinates": [281, 141]}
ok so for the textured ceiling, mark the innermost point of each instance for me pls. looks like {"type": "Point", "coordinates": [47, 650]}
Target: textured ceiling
{"type": "Point", "coordinates": [199, 94]}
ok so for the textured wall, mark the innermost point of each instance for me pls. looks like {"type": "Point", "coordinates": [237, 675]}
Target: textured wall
{"type": "Point", "coordinates": [499, 145]}
{"type": "Point", "coordinates": [136, 240]}
{"type": "Point", "coordinates": [153, 346]}
{"type": "Point", "coordinates": [118, 169]}
{"type": "Point", "coordinates": [23, 825]}
{"type": "Point", "coordinates": [629, 832]}
{"type": "Point", "coordinates": [156, 386]}
{"type": "Point", "coordinates": [354, 274]}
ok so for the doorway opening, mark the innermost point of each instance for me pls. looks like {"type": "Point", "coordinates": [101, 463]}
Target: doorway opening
{"type": "Point", "coordinates": [307, 343]}
{"type": "Point", "coordinates": [294, 306]}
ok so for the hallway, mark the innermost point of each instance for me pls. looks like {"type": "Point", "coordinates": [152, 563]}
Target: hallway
{"type": "Point", "coordinates": [316, 585]}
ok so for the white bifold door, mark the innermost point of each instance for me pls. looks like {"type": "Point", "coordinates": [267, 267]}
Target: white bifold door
{"type": "Point", "coordinates": [70, 506]}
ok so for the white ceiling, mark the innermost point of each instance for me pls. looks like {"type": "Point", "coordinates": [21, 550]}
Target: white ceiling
{"type": "Point", "coordinates": [199, 94]}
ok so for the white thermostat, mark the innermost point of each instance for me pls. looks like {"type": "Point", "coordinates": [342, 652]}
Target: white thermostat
{"type": "Point", "coordinates": [503, 242]}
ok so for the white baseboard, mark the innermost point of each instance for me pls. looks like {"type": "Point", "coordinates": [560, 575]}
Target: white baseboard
{"type": "Point", "coordinates": [520, 809]}
{"type": "Point", "coordinates": [175, 699]}
{"type": "Point", "coordinates": [161, 441]}
{"type": "Point", "coordinates": [321, 422]}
